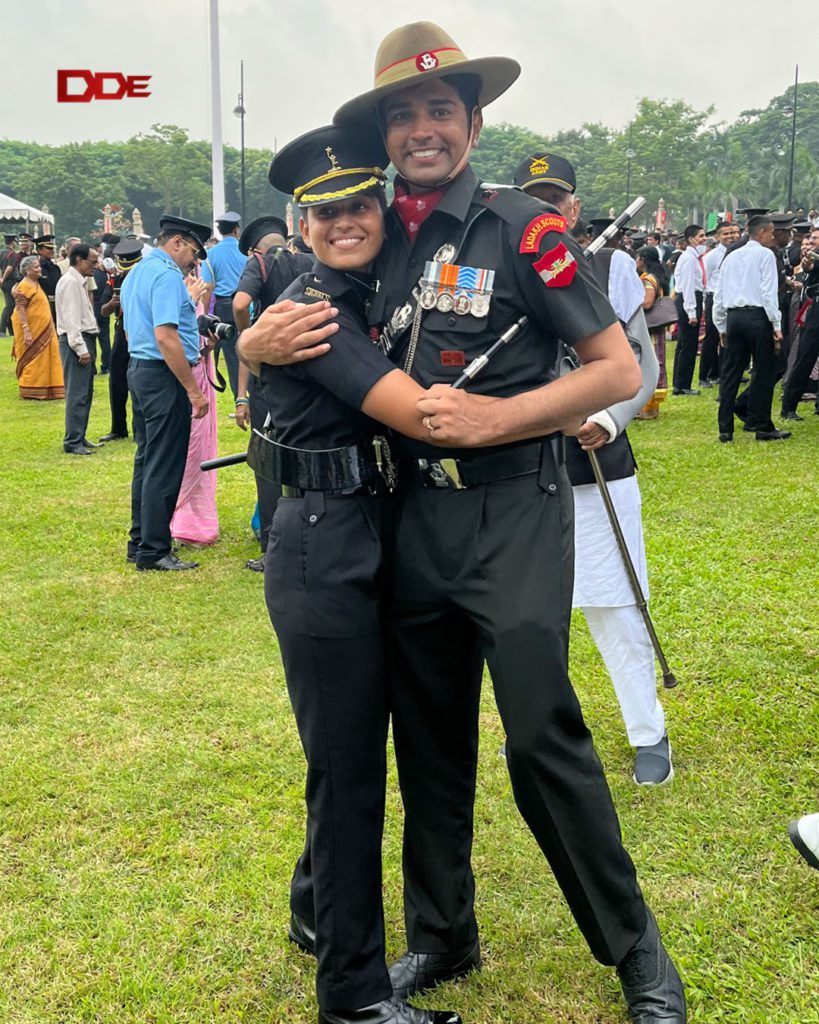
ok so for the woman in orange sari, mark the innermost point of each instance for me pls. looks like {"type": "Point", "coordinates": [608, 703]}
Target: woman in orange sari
{"type": "Point", "coordinates": [36, 347]}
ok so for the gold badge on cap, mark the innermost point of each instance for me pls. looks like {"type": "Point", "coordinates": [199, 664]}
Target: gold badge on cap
{"type": "Point", "coordinates": [539, 166]}
{"type": "Point", "coordinates": [332, 158]}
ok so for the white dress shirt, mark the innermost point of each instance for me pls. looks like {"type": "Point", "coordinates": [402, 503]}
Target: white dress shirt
{"type": "Point", "coordinates": [688, 280]}
{"type": "Point", "coordinates": [75, 313]}
{"type": "Point", "coordinates": [712, 262]}
{"type": "Point", "coordinates": [748, 278]}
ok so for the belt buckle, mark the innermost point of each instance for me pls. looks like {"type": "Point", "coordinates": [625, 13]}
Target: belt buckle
{"type": "Point", "coordinates": [444, 473]}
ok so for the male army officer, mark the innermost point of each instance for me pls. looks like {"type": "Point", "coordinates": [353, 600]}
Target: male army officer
{"type": "Point", "coordinates": [482, 555]}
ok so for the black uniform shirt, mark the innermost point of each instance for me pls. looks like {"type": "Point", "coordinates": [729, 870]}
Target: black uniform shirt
{"type": "Point", "coordinates": [50, 277]}
{"type": "Point", "coordinates": [488, 229]}
{"type": "Point", "coordinates": [266, 277]}
{"type": "Point", "coordinates": [315, 404]}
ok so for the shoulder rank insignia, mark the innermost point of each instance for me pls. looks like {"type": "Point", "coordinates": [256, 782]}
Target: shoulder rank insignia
{"type": "Point", "coordinates": [557, 267]}
{"type": "Point", "coordinates": [537, 228]}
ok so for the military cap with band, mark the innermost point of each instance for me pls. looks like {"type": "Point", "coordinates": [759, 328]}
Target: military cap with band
{"type": "Point", "coordinates": [545, 169]}
{"type": "Point", "coordinates": [46, 241]}
{"type": "Point", "coordinates": [417, 53]}
{"type": "Point", "coordinates": [783, 221]}
{"type": "Point", "coordinates": [752, 211]}
{"type": "Point", "coordinates": [803, 227]}
{"type": "Point", "coordinates": [9, 239]}
{"type": "Point", "coordinates": [128, 253]}
{"type": "Point", "coordinates": [330, 164]}
{"type": "Point", "coordinates": [257, 229]}
{"type": "Point", "coordinates": [189, 230]}
{"type": "Point", "coordinates": [25, 237]}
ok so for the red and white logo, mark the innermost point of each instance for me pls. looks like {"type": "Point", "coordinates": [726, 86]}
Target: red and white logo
{"type": "Point", "coordinates": [557, 267]}
{"type": "Point", "coordinates": [104, 85]}
{"type": "Point", "coordinates": [426, 62]}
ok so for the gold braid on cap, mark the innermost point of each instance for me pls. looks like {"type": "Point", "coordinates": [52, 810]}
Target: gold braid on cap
{"type": "Point", "coordinates": [377, 177]}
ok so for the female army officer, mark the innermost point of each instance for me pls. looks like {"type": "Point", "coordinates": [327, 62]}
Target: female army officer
{"type": "Point", "coordinates": [323, 569]}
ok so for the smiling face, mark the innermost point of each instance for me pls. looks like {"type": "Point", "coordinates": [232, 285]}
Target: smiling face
{"type": "Point", "coordinates": [346, 235]}
{"type": "Point", "coordinates": [426, 131]}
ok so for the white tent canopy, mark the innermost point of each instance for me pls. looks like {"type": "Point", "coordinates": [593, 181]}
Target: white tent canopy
{"type": "Point", "coordinates": [14, 210]}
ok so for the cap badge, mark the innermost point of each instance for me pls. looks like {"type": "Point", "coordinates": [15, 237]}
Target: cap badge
{"type": "Point", "coordinates": [332, 158]}
{"type": "Point", "coordinates": [539, 166]}
{"type": "Point", "coordinates": [426, 61]}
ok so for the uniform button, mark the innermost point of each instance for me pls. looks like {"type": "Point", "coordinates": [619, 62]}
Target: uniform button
{"type": "Point", "coordinates": [451, 321]}
{"type": "Point", "coordinates": [314, 519]}
{"type": "Point", "coordinates": [551, 488]}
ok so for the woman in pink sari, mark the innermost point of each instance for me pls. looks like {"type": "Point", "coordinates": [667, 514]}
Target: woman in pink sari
{"type": "Point", "coordinates": [195, 521]}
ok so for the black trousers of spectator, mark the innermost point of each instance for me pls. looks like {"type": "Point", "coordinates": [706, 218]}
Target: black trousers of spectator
{"type": "Point", "coordinates": [709, 356]}
{"type": "Point", "coordinates": [118, 382]}
{"type": "Point", "coordinates": [79, 389]}
{"type": "Point", "coordinates": [104, 324]}
{"type": "Point", "coordinates": [749, 335]}
{"type": "Point", "coordinates": [162, 428]}
{"type": "Point", "coordinates": [687, 341]}
{"type": "Point", "coordinates": [223, 308]}
{"type": "Point", "coordinates": [8, 309]}
{"type": "Point", "coordinates": [799, 376]}
{"type": "Point", "coordinates": [267, 493]}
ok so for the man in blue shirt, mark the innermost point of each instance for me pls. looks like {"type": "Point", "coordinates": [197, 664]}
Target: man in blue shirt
{"type": "Point", "coordinates": [159, 317]}
{"type": "Point", "coordinates": [222, 270]}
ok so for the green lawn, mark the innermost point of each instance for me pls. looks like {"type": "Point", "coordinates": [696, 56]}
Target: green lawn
{"type": "Point", "coordinates": [150, 795]}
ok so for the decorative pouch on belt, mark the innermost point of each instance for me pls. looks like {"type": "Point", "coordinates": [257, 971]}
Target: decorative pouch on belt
{"type": "Point", "coordinates": [552, 457]}
{"type": "Point", "coordinates": [331, 469]}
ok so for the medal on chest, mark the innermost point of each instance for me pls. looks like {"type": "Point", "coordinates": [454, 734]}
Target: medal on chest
{"type": "Point", "coordinates": [449, 288]}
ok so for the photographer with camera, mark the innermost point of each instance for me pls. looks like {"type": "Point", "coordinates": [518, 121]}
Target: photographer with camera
{"type": "Point", "coordinates": [163, 338]}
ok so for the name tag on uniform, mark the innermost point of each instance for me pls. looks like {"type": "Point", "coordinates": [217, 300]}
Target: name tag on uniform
{"type": "Point", "coordinates": [453, 289]}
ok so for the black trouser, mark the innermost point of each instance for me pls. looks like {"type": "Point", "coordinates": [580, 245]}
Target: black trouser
{"type": "Point", "coordinates": [267, 492]}
{"type": "Point", "coordinates": [79, 389]}
{"type": "Point", "coordinates": [162, 428]}
{"type": "Point", "coordinates": [709, 356]}
{"type": "Point", "coordinates": [104, 324]}
{"type": "Point", "coordinates": [749, 335]}
{"type": "Point", "coordinates": [321, 587]}
{"type": "Point", "coordinates": [118, 382]}
{"type": "Point", "coordinates": [798, 377]}
{"type": "Point", "coordinates": [8, 309]}
{"type": "Point", "coordinates": [487, 573]}
{"type": "Point", "coordinates": [223, 308]}
{"type": "Point", "coordinates": [687, 342]}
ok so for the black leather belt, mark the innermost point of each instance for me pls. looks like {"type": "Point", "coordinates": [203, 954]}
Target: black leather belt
{"type": "Point", "coordinates": [343, 470]}
{"type": "Point", "coordinates": [484, 469]}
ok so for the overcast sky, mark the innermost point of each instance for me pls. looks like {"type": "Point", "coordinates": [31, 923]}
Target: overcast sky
{"type": "Point", "coordinates": [582, 61]}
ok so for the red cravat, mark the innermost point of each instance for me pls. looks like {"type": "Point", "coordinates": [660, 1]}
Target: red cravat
{"type": "Point", "coordinates": [414, 210]}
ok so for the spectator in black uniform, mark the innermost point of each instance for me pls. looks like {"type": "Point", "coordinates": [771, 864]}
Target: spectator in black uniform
{"type": "Point", "coordinates": [808, 351]}
{"type": "Point", "coordinates": [50, 272]}
{"type": "Point", "coordinates": [126, 254]}
{"type": "Point", "coordinates": [9, 260]}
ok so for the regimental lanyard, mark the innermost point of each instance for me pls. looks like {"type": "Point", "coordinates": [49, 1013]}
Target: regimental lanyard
{"type": "Point", "coordinates": [450, 288]}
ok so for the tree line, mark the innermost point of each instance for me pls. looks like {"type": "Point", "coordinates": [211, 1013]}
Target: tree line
{"type": "Point", "coordinates": [677, 155]}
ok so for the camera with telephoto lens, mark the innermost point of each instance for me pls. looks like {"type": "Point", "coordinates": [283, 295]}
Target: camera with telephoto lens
{"type": "Point", "coordinates": [212, 324]}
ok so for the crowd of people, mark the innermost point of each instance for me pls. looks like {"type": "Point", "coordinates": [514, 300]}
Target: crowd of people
{"type": "Point", "coordinates": [398, 512]}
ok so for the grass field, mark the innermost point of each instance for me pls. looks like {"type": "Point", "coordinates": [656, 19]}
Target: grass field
{"type": "Point", "coordinates": [151, 776]}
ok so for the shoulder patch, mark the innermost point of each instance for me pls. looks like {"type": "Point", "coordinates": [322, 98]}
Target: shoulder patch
{"type": "Point", "coordinates": [557, 267]}
{"type": "Point", "coordinates": [537, 228]}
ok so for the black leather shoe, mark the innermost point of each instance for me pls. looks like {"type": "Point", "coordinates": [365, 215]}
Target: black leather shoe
{"type": "Point", "coordinates": [706, 384]}
{"type": "Point", "coordinates": [793, 416]}
{"type": "Point", "coordinates": [650, 981]}
{"type": "Point", "coordinates": [77, 451]}
{"type": "Point", "coordinates": [725, 438]}
{"type": "Point", "coordinates": [302, 934]}
{"type": "Point", "coordinates": [255, 564]}
{"type": "Point", "coordinates": [685, 391]}
{"type": "Point", "coordinates": [389, 1011]}
{"type": "Point", "coordinates": [419, 972]}
{"type": "Point", "coordinates": [773, 435]}
{"type": "Point", "coordinates": [91, 444]}
{"type": "Point", "coordinates": [113, 437]}
{"type": "Point", "coordinates": [168, 563]}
